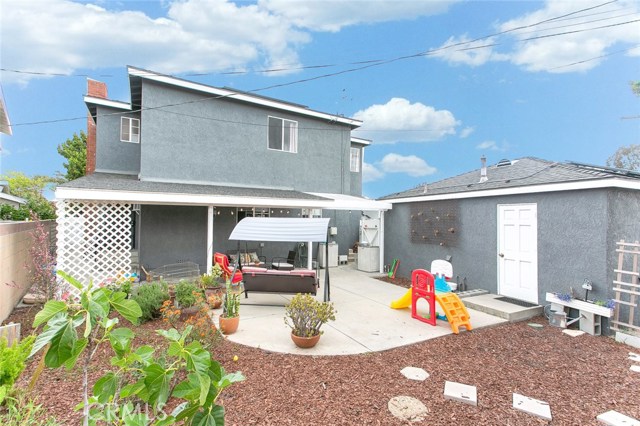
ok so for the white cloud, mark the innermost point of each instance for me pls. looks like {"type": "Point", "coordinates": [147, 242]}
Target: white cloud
{"type": "Point", "coordinates": [400, 120]}
{"type": "Point", "coordinates": [462, 50]}
{"type": "Point", "coordinates": [196, 35]}
{"type": "Point", "coordinates": [553, 38]}
{"type": "Point", "coordinates": [409, 164]}
{"type": "Point", "coordinates": [547, 53]}
{"type": "Point", "coordinates": [334, 15]}
{"type": "Point", "coordinates": [466, 132]}
{"type": "Point", "coordinates": [492, 146]}
{"type": "Point", "coordinates": [370, 173]}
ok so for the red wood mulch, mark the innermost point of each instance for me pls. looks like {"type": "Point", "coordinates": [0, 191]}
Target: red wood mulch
{"type": "Point", "coordinates": [580, 377]}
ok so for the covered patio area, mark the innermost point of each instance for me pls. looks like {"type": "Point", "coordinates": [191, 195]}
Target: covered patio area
{"type": "Point", "coordinates": [364, 321]}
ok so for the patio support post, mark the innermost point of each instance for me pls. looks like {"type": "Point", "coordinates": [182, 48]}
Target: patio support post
{"type": "Point", "coordinates": [381, 240]}
{"type": "Point", "coordinates": [209, 239]}
{"type": "Point", "coordinates": [309, 255]}
{"type": "Point", "coordinates": [327, 291]}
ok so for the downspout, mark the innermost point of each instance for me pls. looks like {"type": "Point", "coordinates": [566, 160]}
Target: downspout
{"type": "Point", "coordinates": [210, 217]}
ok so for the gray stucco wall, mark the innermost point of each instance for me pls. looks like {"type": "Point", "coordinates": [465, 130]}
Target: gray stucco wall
{"type": "Point", "coordinates": [112, 155]}
{"type": "Point", "coordinates": [229, 144]}
{"type": "Point", "coordinates": [624, 224]}
{"type": "Point", "coordinates": [572, 241]}
{"type": "Point", "coordinates": [169, 234]}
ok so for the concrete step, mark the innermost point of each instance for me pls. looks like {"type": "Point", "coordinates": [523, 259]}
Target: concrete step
{"type": "Point", "coordinates": [487, 303]}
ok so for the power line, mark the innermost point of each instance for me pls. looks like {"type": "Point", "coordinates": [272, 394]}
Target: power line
{"type": "Point", "coordinates": [369, 64]}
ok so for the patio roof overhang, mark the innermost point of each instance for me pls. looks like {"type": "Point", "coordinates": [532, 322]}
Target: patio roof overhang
{"type": "Point", "coordinates": [127, 188]}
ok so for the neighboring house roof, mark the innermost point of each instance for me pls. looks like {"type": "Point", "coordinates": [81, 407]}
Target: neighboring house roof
{"type": "Point", "coordinates": [108, 187]}
{"type": "Point", "coordinates": [136, 75]}
{"type": "Point", "coordinates": [5, 196]}
{"type": "Point", "coordinates": [525, 175]}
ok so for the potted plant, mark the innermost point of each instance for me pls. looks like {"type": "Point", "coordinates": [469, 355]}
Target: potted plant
{"type": "Point", "coordinates": [230, 317]}
{"type": "Point", "coordinates": [187, 298]}
{"type": "Point", "coordinates": [305, 315]}
{"type": "Point", "coordinates": [210, 284]}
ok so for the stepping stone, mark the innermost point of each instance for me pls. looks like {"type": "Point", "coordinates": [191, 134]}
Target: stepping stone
{"type": "Point", "coordinates": [466, 394]}
{"type": "Point", "coordinates": [408, 408]}
{"type": "Point", "coordinates": [613, 418]}
{"type": "Point", "coordinates": [535, 325]}
{"type": "Point", "coordinates": [573, 333]}
{"type": "Point", "coordinates": [635, 368]}
{"type": "Point", "coordinates": [634, 357]}
{"type": "Point", "coordinates": [415, 373]}
{"type": "Point", "coordinates": [532, 406]}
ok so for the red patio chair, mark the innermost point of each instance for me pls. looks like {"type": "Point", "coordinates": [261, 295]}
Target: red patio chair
{"type": "Point", "coordinates": [423, 287]}
{"type": "Point", "coordinates": [222, 260]}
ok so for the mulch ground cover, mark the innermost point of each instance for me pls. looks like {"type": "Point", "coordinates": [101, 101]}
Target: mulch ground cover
{"type": "Point", "coordinates": [580, 377]}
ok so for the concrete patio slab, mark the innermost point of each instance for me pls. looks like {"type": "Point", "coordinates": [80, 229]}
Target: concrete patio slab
{"type": "Point", "coordinates": [364, 320]}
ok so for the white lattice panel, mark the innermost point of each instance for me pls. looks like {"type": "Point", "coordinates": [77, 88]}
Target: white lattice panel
{"type": "Point", "coordinates": [94, 239]}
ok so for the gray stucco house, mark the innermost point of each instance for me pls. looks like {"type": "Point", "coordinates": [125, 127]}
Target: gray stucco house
{"type": "Point", "coordinates": [170, 173]}
{"type": "Point", "coordinates": [519, 228]}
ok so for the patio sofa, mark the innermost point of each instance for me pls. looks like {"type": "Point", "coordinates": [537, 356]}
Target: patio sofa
{"type": "Point", "coordinates": [263, 280]}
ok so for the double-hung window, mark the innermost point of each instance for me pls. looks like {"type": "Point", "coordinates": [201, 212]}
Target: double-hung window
{"type": "Point", "coordinates": [130, 130]}
{"type": "Point", "coordinates": [283, 134]}
{"type": "Point", "coordinates": [354, 160]}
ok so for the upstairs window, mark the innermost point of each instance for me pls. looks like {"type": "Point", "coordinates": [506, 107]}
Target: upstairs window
{"type": "Point", "coordinates": [283, 134]}
{"type": "Point", "coordinates": [129, 130]}
{"type": "Point", "coordinates": [354, 161]}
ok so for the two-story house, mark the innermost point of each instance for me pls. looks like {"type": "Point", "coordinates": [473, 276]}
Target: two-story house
{"type": "Point", "coordinates": [170, 173]}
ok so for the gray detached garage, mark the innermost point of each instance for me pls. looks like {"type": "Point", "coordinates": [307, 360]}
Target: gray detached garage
{"type": "Point", "coordinates": [519, 228]}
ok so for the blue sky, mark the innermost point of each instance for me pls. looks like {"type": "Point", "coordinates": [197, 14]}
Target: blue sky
{"type": "Point", "coordinates": [456, 79]}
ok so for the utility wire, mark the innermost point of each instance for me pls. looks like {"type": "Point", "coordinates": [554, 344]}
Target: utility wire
{"type": "Point", "coordinates": [366, 65]}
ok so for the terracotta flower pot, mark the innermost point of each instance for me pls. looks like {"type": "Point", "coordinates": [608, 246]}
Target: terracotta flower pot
{"type": "Point", "coordinates": [214, 291]}
{"type": "Point", "coordinates": [229, 325]}
{"type": "Point", "coordinates": [305, 342]}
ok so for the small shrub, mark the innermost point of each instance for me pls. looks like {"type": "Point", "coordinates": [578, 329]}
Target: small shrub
{"type": "Point", "coordinates": [12, 363]}
{"type": "Point", "coordinates": [305, 315]}
{"type": "Point", "coordinates": [150, 298]}
{"type": "Point", "coordinates": [24, 412]}
{"type": "Point", "coordinates": [184, 294]}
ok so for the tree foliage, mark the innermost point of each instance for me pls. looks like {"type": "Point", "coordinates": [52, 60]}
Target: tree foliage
{"type": "Point", "coordinates": [75, 151]}
{"type": "Point", "coordinates": [626, 157]}
{"type": "Point", "coordinates": [635, 87]}
{"type": "Point", "coordinates": [31, 189]}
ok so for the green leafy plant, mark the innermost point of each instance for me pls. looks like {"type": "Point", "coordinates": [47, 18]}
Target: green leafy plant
{"type": "Point", "coordinates": [184, 294]}
{"type": "Point", "coordinates": [185, 370]}
{"type": "Point", "coordinates": [231, 302]}
{"type": "Point", "coordinates": [305, 315]}
{"type": "Point", "coordinates": [150, 298]}
{"type": "Point", "coordinates": [12, 363]}
{"type": "Point", "coordinates": [211, 279]}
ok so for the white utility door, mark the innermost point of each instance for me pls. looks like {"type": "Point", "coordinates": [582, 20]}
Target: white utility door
{"type": "Point", "coordinates": [518, 251]}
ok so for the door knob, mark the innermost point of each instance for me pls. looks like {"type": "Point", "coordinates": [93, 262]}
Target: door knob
{"type": "Point", "coordinates": [501, 255]}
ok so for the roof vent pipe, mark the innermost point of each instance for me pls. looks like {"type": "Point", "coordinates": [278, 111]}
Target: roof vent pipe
{"type": "Point", "coordinates": [483, 170]}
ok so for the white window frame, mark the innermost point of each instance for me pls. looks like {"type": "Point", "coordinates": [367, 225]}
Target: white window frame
{"type": "Point", "coordinates": [293, 134]}
{"type": "Point", "coordinates": [130, 124]}
{"type": "Point", "coordinates": [252, 212]}
{"type": "Point", "coordinates": [312, 213]}
{"type": "Point", "coordinates": [354, 160]}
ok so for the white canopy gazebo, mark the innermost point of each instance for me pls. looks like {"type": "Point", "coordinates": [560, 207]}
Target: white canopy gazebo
{"type": "Point", "coordinates": [286, 229]}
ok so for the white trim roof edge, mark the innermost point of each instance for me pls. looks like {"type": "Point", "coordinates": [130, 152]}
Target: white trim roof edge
{"type": "Point", "coordinates": [348, 203]}
{"type": "Point", "coordinates": [361, 141]}
{"type": "Point", "coordinates": [13, 198]}
{"type": "Point", "coordinates": [63, 193]}
{"type": "Point", "coordinates": [150, 75]}
{"type": "Point", "coordinates": [552, 187]}
{"type": "Point", "coordinates": [107, 102]}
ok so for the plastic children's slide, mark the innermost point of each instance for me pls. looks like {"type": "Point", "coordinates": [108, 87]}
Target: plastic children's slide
{"type": "Point", "coordinates": [450, 303]}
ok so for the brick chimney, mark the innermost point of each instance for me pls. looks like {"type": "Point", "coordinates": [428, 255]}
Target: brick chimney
{"type": "Point", "coordinates": [96, 89]}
